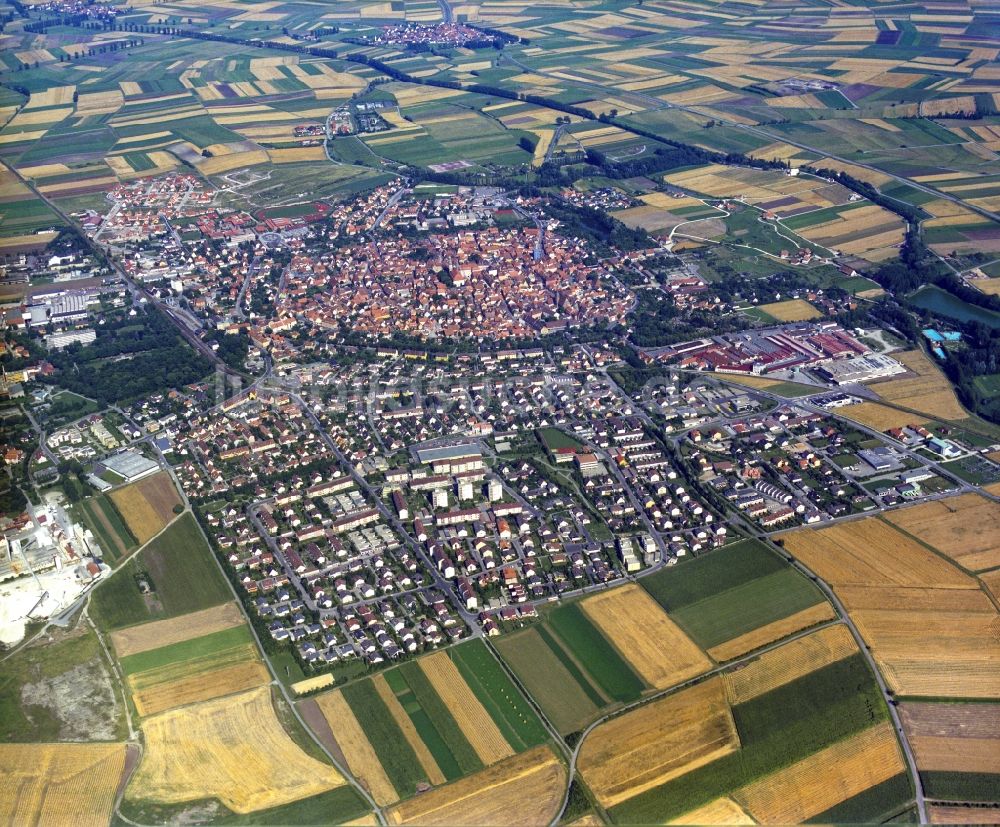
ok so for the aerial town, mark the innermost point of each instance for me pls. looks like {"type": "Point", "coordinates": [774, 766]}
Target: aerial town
{"type": "Point", "coordinates": [419, 413]}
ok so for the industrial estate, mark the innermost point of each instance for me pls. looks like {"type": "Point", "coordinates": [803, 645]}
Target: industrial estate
{"type": "Point", "coordinates": [492, 413]}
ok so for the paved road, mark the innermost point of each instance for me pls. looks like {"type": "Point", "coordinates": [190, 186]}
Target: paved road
{"type": "Point", "coordinates": [911, 762]}
{"type": "Point", "coordinates": [392, 202]}
{"type": "Point", "coordinates": [251, 272]}
{"type": "Point", "coordinates": [447, 15]}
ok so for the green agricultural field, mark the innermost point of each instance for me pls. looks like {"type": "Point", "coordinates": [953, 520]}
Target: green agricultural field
{"type": "Point", "coordinates": [595, 653]}
{"type": "Point", "coordinates": [512, 713]}
{"type": "Point", "coordinates": [743, 608]}
{"type": "Point", "coordinates": [434, 723]}
{"type": "Point", "coordinates": [707, 575]}
{"type": "Point", "coordinates": [731, 591]}
{"type": "Point", "coordinates": [746, 227]}
{"type": "Point", "coordinates": [117, 602]}
{"type": "Point", "coordinates": [188, 650]}
{"type": "Point", "coordinates": [565, 696]}
{"type": "Point", "coordinates": [875, 805]}
{"type": "Point", "coordinates": [961, 786]}
{"type": "Point", "coordinates": [178, 566]}
{"type": "Point", "coordinates": [337, 806]}
{"type": "Point", "coordinates": [776, 729]}
{"type": "Point", "coordinates": [102, 518]}
{"type": "Point", "coordinates": [27, 216]}
{"type": "Point", "coordinates": [394, 752]}
{"type": "Point", "coordinates": [181, 564]}
{"type": "Point", "coordinates": [811, 219]}
{"type": "Point", "coordinates": [988, 385]}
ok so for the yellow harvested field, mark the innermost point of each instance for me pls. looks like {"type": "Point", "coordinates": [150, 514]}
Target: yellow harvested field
{"type": "Point", "coordinates": [942, 814]}
{"type": "Point", "coordinates": [158, 633]}
{"type": "Point", "coordinates": [134, 139]}
{"type": "Point", "coordinates": [869, 552]}
{"type": "Point", "coordinates": [147, 505]}
{"type": "Point", "coordinates": [914, 599]}
{"type": "Point", "coordinates": [948, 654]}
{"type": "Point", "coordinates": [408, 94]}
{"type": "Point", "coordinates": [761, 382]}
{"type": "Point", "coordinates": [991, 287]}
{"type": "Point", "coordinates": [424, 756]}
{"type": "Point", "coordinates": [297, 154]}
{"type": "Point", "coordinates": [954, 737]}
{"type": "Point", "coordinates": [659, 741]}
{"type": "Point", "coordinates": [18, 137]}
{"type": "Point", "coordinates": [312, 684]}
{"type": "Point", "coordinates": [65, 187]}
{"type": "Point", "coordinates": [524, 790]}
{"type": "Point", "coordinates": [41, 171]}
{"type": "Point", "coordinates": [881, 417]}
{"type": "Point", "coordinates": [235, 160]}
{"type": "Point", "coordinates": [761, 186]}
{"type": "Point", "coordinates": [720, 811]}
{"type": "Point", "coordinates": [773, 631]}
{"type": "Point", "coordinates": [10, 185]}
{"type": "Point", "coordinates": [929, 392]}
{"type": "Point", "coordinates": [472, 718]}
{"type": "Point", "coordinates": [368, 820]}
{"type": "Point", "coordinates": [29, 117]}
{"type": "Point", "coordinates": [652, 644]}
{"type": "Point", "coordinates": [668, 202]}
{"type": "Point", "coordinates": [233, 749]}
{"type": "Point", "coordinates": [203, 686]}
{"type": "Point", "coordinates": [869, 176]}
{"type": "Point", "coordinates": [99, 103]}
{"type": "Point", "coordinates": [965, 528]}
{"type": "Point", "coordinates": [789, 662]}
{"type": "Point", "coordinates": [792, 310]}
{"type": "Point", "coordinates": [991, 579]}
{"type": "Point", "coordinates": [35, 240]}
{"type": "Point", "coordinates": [60, 783]}
{"type": "Point", "coordinates": [542, 147]}
{"type": "Point", "coordinates": [53, 96]}
{"type": "Point", "coordinates": [930, 628]}
{"type": "Point", "coordinates": [823, 780]}
{"type": "Point", "coordinates": [358, 751]}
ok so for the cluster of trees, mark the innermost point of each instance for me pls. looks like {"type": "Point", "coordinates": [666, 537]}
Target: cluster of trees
{"type": "Point", "coordinates": [600, 230]}
{"type": "Point", "coordinates": [131, 357]}
{"type": "Point", "coordinates": [232, 349]}
{"type": "Point", "coordinates": [656, 321]}
{"type": "Point", "coordinates": [980, 356]}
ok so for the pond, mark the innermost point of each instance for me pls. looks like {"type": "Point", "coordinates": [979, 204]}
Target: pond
{"type": "Point", "coordinates": [951, 307]}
